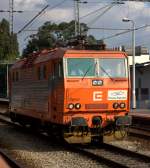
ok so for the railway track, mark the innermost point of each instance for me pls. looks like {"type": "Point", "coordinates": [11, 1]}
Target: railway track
{"type": "Point", "coordinates": [7, 162]}
{"type": "Point", "coordinates": [107, 154]}
{"type": "Point", "coordinates": [139, 132]}
{"type": "Point", "coordinates": [113, 156]}
{"type": "Point", "coordinates": [142, 128]}
{"type": "Point", "coordinates": [6, 159]}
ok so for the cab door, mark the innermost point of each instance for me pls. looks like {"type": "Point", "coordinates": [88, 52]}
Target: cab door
{"type": "Point", "coordinates": [56, 90]}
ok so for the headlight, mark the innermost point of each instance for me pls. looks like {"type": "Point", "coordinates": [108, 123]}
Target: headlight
{"type": "Point", "coordinates": [122, 105]}
{"type": "Point", "coordinates": [77, 105]}
{"type": "Point", "coordinates": [70, 106]}
{"type": "Point", "coordinates": [115, 105]}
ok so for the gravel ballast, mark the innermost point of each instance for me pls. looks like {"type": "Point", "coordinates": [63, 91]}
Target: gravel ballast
{"type": "Point", "coordinates": [135, 144]}
{"type": "Point", "coordinates": [35, 152]}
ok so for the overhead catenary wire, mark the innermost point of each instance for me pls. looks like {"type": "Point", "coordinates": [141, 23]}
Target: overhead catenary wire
{"type": "Point", "coordinates": [81, 16]}
{"type": "Point", "coordinates": [33, 19]}
{"type": "Point", "coordinates": [107, 9]}
{"type": "Point", "coordinates": [124, 32]}
{"type": "Point", "coordinates": [95, 11]}
{"type": "Point", "coordinates": [135, 0]}
{"type": "Point", "coordinates": [84, 15]}
{"type": "Point", "coordinates": [90, 13]}
{"type": "Point", "coordinates": [53, 7]}
{"type": "Point", "coordinates": [127, 41]}
{"type": "Point", "coordinates": [106, 28]}
{"type": "Point", "coordinates": [39, 14]}
{"type": "Point", "coordinates": [95, 19]}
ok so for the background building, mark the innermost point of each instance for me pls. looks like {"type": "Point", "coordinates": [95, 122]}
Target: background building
{"type": "Point", "coordinates": [141, 55]}
{"type": "Point", "coordinates": [142, 75]}
{"type": "Point", "coordinates": [142, 83]}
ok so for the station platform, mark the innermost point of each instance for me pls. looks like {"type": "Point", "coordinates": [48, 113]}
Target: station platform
{"type": "Point", "coordinates": [140, 113]}
{"type": "Point", "coordinates": [141, 118]}
{"type": "Point", "coordinates": [4, 100]}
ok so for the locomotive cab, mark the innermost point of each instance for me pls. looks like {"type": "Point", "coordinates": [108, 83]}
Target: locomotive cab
{"type": "Point", "coordinates": [96, 91]}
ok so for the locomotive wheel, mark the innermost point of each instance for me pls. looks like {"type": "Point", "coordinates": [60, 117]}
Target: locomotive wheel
{"type": "Point", "coordinates": [121, 132]}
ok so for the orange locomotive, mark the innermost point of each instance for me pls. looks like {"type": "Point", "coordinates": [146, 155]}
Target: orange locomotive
{"type": "Point", "coordinates": [82, 93]}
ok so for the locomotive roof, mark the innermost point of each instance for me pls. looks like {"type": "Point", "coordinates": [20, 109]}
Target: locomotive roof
{"type": "Point", "coordinates": [46, 55]}
{"type": "Point", "coordinates": [39, 57]}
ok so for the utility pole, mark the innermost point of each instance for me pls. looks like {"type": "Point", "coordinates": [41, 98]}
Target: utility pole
{"type": "Point", "coordinates": [11, 15]}
{"type": "Point", "coordinates": [77, 16]}
{"type": "Point", "coordinates": [11, 12]}
{"type": "Point", "coordinates": [133, 62]}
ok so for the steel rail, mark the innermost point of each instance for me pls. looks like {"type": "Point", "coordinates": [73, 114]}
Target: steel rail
{"type": "Point", "coordinates": [126, 151]}
{"type": "Point", "coordinates": [11, 162]}
{"type": "Point", "coordinates": [139, 132]}
{"type": "Point", "coordinates": [141, 128]}
{"type": "Point", "coordinates": [95, 157]}
{"type": "Point", "coordinates": [85, 150]}
{"type": "Point", "coordinates": [79, 151]}
{"type": "Point", "coordinates": [102, 158]}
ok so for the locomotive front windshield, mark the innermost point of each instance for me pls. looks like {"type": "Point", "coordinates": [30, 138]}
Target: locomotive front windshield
{"type": "Point", "coordinates": [112, 67]}
{"type": "Point", "coordinates": [81, 66]}
{"type": "Point", "coordinates": [98, 67]}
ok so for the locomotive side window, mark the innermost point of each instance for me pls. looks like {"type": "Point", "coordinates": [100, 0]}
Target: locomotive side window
{"type": "Point", "coordinates": [112, 67]}
{"type": "Point", "coordinates": [17, 76]}
{"type": "Point", "coordinates": [41, 72]}
{"type": "Point", "coordinates": [44, 71]}
{"type": "Point", "coordinates": [13, 76]}
{"type": "Point", "coordinates": [38, 73]}
{"type": "Point", "coordinates": [58, 70]}
{"type": "Point", "coordinates": [81, 67]}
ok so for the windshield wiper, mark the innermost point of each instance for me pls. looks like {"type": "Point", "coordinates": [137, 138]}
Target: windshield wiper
{"type": "Point", "coordinates": [88, 70]}
{"type": "Point", "coordinates": [106, 72]}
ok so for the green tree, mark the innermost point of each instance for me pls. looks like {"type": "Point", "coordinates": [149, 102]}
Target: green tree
{"type": "Point", "coordinates": [50, 35]}
{"type": "Point", "coordinates": [8, 43]}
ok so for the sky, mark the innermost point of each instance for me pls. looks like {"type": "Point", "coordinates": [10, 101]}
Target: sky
{"type": "Point", "coordinates": [63, 10]}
